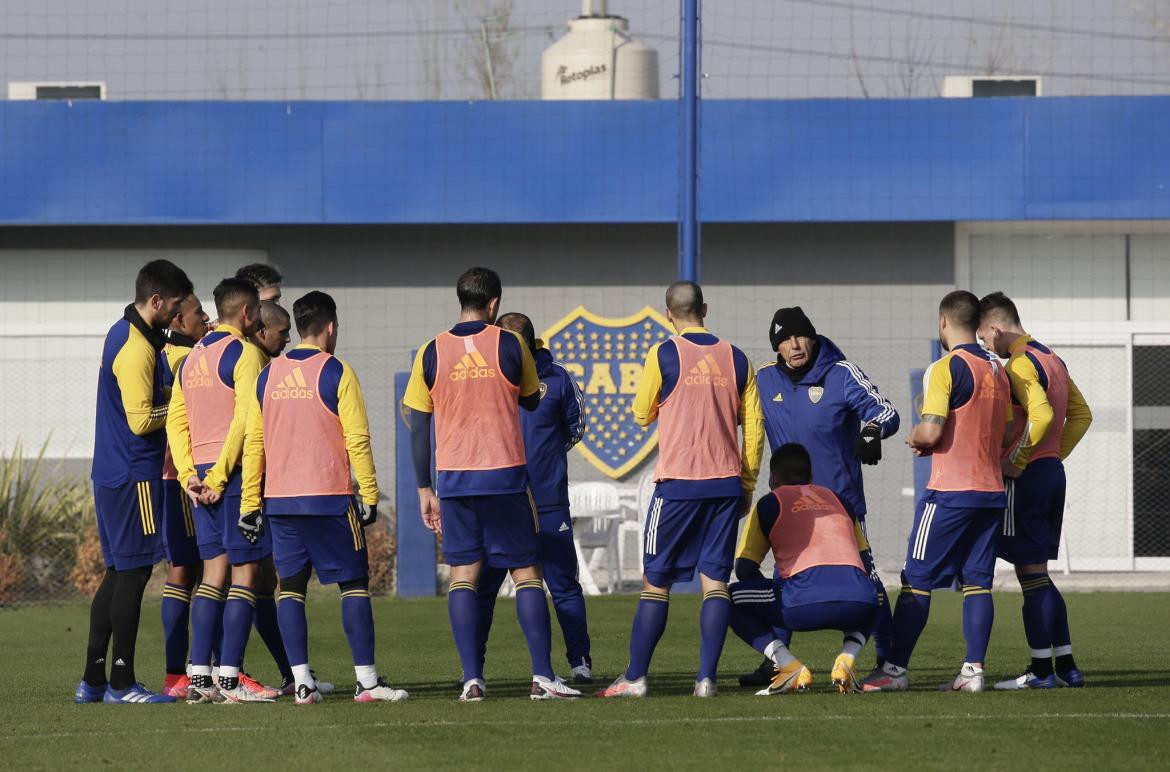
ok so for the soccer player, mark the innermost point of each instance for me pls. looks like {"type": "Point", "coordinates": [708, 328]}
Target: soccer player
{"type": "Point", "coordinates": [275, 324]}
{"type": "Point", "coordinates": [469, 380]}
{"type": "Point", "coordinates": [550, 432]}
{"type": "Point", "coordinates": [965, 411]}
{"type": "Point", "coordinates": [814, 396]}
{"type": "Point", "coordinates": [265, 277]}
{"type": "Point", "coordinates": [182, 550]}
{"type": "Point", "coordinates": [208, 415]}
{"type": "Point", "coordinates": [700, 389]}
{"type": "Point", "coordinates": [1050, 418]}
{"type": "Point", "coordinates": [129, 442]}
{"type": "Point", "coordinates": [307, 431]}
{"type": "Point", "coordinates": [822, 583]}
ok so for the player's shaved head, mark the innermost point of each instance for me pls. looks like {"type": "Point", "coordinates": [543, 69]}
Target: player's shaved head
{"type": "Point", "coordinates": [233, 295]}
{"type": "Point", "coordinates": [791, 465]}
{"type": "Point", "coordinates": [521, 325]}
{"type": "Point", "coordinates": [961, 308]}
{"type": "Point", "coordinates": [998, 307]}
{"type": "Point", "coordinates": [273, 314]}
{"type": "Point", "coordinates": [684, 300]}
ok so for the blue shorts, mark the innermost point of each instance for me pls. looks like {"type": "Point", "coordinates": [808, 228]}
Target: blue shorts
{"type": "Point", "coordinates": [500, 530]}
{"type": "Point", "coordinates": [822, 584]}
{"type": "Point", "coordinates": [948, 543]}
{"type": "Point", "coordinates": [765, 601]}
{"type": "Point", "coordinates": [179, 526]}
{"type": "Point", "coordinates": [128, 525]}
{"type": "Point", "coordinates": [332, 545]}
{"type": "Point", "coordinates": [1034, 515]}
{"type": "Point", "coordinates": [238, 549]}
{"type": "Point", "coordinates": [684, 534]}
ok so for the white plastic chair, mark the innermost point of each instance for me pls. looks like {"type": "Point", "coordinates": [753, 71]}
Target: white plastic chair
{"type": "Point", "coordinates": [596, 506]}
{"type": "Point", "coordinates": [636, 524]}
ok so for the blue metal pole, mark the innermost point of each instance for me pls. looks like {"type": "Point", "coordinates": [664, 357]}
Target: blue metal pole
{"type": "Point", "coordinates": [688, 222]}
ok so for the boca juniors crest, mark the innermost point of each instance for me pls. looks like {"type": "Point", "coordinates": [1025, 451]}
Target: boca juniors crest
{"type": "Point", "coordinates": [605, 356]}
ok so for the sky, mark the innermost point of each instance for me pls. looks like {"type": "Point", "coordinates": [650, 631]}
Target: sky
{"type": "Point", "coordinates": [434, 49]}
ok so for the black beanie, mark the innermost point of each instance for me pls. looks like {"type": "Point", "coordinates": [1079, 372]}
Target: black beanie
{"type": "Point", "coordinates": [787, 322]}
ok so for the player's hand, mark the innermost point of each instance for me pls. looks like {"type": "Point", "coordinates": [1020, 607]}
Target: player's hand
{"type": "Point", "coordinates": [251, 525]}
{"type": "Point", "coordinates": [428, 504]}
{"type": "Point", "coordinates": [1010, 470]}
{"type": "Point", "coordinates": [196, 490]}
{"type": "Point", "coordinates": [209, 496]}
{"type": "Point", "coordinates": [367, 516]}
{"type": "Point", "coordinates": [868, 449]}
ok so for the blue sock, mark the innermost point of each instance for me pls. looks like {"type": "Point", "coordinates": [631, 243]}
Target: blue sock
{"type": "Point", "coordinates": [269, 629]}
{"type": "Point", "coordinates": [532, 611]}
{"type": "Point", "coordinates": [1057, 614]}
{"type": "Point", "coordinates": [294, 626]}
{"type": "Point", "coordinates": [176, 615]}
{"type": "Point", "coordinates": [978, 616]}
{"type": "Point", "coordinates": [649, 624]}
{"type": "Point", "coordinates": [1036, 629]}
{"type": "Point", "coordinates": [463, 610]}
{"type": "Point", "coordinates": [357, 617]}
{"type": "Point", "coordinates": [238, 613]}
{"type": "Point", "coordinates": [713, 616]}
{"type": "Point", "coordinates": [206, 612]}
{"type": "Point", "coordinates": [909, 621]}
{"type": "Point", "coordinates": [883, 628]}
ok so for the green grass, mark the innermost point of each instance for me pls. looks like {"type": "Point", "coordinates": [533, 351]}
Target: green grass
{"type": "Point", "coordinates": [1121, 720]}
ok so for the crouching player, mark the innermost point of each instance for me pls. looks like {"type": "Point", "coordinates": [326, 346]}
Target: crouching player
{"type": "Point", "coordinates": [307, 429]}
{"type": "Point", "coordinates": [822, 582]}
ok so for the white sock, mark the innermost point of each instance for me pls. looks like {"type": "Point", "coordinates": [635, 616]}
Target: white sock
{"type": "Point", "coordinates": [228, 672]}
{"type": "Point", "coordinates": [303, 675]}
{"type": "Point", "coordinates": [198, 670]}
{"type": "Point", "coordinates": [215, 672]}
{"type": "Point", "coordinates": [367, 675]}
{"type": "Point", "coordinates": [1062, 651]}
{"type": "Point", "coordinates": [778, 653]}
{"type": "Point", "coordinates": [891, 669]}
{"type": "Point", "coordinates": [851, 646]}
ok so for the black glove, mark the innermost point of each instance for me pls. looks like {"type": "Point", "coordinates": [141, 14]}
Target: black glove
{"type": "Point", "coordinates": [366, 516]}
{"type": "Point", "coordinates": [868, 449]}
{"type": "Point", "coordinates": [251, 525]}
{"type": "Point", "coordinates": [747, 569]}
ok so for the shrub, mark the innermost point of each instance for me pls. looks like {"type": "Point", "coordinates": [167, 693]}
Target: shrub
{"type": "Point", "coordinates": [42, 516]}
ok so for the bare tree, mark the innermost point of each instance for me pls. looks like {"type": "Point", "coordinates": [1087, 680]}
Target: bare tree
{"type": "Point", "coordinates": [488, 59]}
{"type": "Point", "coordinates": [914, 70]}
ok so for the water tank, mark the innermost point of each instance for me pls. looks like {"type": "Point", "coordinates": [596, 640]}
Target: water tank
{"type": "Point", "coordinates": [599, 59]}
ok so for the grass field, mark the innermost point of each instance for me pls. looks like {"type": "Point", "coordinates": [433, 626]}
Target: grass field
{"type": "Point", "coordinates": [1121, 720]}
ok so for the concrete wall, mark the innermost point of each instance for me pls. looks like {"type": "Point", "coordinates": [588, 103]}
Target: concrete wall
{"type": "Point", "coordinates": [872, 288]}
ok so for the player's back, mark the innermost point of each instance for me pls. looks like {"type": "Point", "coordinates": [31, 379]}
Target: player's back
{"type": "Point", "coordinates": [304, 443]}
{"type": "Point", "coordinates": [476, 406]}
{"type": "Point", "coordinates": [698, 418]}
{"type": "Point", "coordinates": [967, 457]}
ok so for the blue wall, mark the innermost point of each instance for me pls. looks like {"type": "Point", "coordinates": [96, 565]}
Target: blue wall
{"type": "Point", "coordinates": [559, 162]}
